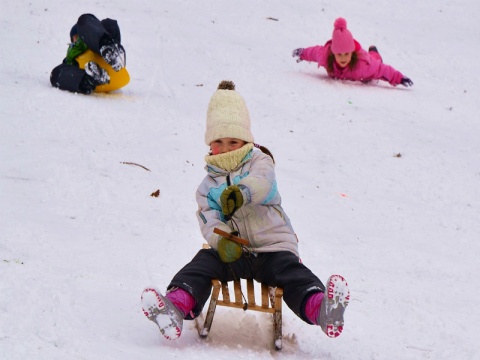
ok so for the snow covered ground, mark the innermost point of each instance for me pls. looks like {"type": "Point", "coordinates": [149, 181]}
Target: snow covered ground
{"type": "Point", "coordinates": [382, 184]}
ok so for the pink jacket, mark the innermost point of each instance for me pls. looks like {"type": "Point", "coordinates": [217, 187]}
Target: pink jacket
{"type": "Point", "coordinates": [367, 67]}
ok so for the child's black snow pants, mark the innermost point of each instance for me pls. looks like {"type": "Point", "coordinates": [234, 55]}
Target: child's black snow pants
{"type": "Point", "coordinates": [282, 269]}
{"type": "Point", "coordinates": [95, 32]}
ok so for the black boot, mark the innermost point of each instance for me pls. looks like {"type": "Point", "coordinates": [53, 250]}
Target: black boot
{"type": "Point", "coordinates": [111, 53]}
{"type": "Point", "coordinates": [99, 75]}
{"type": "Point", "coordinates": [87, 85]}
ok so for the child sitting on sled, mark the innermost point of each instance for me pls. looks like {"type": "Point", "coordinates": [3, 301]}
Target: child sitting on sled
{"type": "Point", "coordinates": [344, 59]}
{"type": "Point", "coordinates": [101, 37]}
{"type": "Point", "coordinates": [239, 195]}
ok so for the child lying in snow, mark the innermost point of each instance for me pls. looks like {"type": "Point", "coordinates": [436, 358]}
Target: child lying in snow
{"type": "Point", "coordinates": [344, 59]}
{"type": "Point", "coordinates": [102, 37]}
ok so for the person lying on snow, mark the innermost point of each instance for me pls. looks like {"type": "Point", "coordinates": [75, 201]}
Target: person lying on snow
{"type": "Point", "coordinates": [102, 37]}
{"type": "Point", "coordinates": [239, 195]}
{"type": "Point", "coordinates": [344, 59]}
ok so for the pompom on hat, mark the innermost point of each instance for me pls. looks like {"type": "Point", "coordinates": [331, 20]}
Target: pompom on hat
{"type": "Point", "coordinates": [342, 39]}
{"type": "Point", "coordinates": [227, 115]}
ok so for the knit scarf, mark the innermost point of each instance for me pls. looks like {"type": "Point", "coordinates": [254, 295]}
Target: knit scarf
{"type": "Point", "coordinates": [230, 160]}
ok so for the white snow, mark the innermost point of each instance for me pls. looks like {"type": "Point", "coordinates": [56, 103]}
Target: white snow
{"type": "Point", "coordinates": [382, 184]}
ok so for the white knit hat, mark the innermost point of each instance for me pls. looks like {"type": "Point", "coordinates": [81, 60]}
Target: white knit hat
{"type": "Point", "coordinates": [227, 115]}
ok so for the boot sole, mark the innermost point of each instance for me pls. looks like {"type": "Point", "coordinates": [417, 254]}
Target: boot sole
{"type": "Point", "coordinates": [334, 304]}
{"type": "Point", "coordinates": [158, 309]}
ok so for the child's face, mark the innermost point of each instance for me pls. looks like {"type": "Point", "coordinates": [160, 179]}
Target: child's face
{"type": "Point", "coordinates": [74, 38]}
{"type": "Point", "coordinates": [343, 59]}
{"type": "Point", "coordinates": [224, 145]}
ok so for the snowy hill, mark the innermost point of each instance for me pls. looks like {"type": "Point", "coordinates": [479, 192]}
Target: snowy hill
{"type": "Point", "coordinates": [381, 183]}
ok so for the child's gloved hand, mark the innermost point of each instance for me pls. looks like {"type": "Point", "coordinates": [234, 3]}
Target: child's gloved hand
{"type": "Point", "coordinates": [297, 53]}
{"type": "Point", "coordinates": [229, 250]}
{"type": "Point", "coordinates": [406, 82]}
{"type": "Point", "coordinates": [231, 200]}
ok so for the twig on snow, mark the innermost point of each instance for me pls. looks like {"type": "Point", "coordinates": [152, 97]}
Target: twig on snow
{"type": "Point", "coordinates": [132, 163]}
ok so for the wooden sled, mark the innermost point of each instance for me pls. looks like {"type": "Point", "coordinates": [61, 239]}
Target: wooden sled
{"type": "Point", "coordinates": [271, 300]}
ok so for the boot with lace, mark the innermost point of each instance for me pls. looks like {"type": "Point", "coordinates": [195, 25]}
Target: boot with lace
{"type": "Point", "coordinates": [112, 54]}
{"type": "Point", "coordinates": [99, 75]}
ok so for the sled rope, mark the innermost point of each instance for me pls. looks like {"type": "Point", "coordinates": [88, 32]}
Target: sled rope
{"type": "Point", "coordinates": [237, 240]}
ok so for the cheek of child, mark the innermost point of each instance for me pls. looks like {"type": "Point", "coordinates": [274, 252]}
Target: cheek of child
{"type": "Point", "coordinates": [214, 150]}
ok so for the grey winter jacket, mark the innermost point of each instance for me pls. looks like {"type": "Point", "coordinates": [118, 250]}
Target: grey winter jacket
{"type": "Point", "coordinates": [261, 219]}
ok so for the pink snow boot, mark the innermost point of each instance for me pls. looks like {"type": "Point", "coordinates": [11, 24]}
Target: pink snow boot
{"type": "Point", "coordinates": [182, 300]}
{"type": "Point", "coordinates": [161, 311]}
{"type": "Point", "coordinates": [326, 310]}
{"type": "Point", "coordinates": [333, 306]}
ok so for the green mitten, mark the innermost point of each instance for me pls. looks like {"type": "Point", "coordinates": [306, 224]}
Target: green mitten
{"type": "Point", "coordinates": [228, 250]}
{"type": "Point", "coordinates": [231, 200]}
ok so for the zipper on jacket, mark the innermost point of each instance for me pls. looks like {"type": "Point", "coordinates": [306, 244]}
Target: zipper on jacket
{"type": "Point", "coordinates": [247, 235]}
{"type": "Point", "coordinates": [228, 218]}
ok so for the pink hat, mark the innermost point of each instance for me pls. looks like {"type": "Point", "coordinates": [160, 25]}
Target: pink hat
{"type": "Point", "coordinates": [342, 39]}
